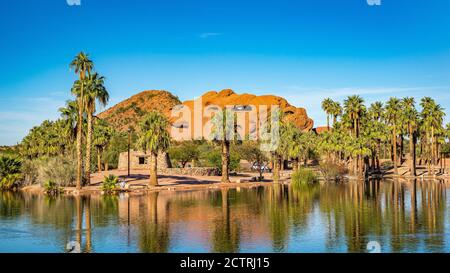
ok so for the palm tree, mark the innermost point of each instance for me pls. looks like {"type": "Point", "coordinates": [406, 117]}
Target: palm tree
{"type": "Point", "coordinates": [223, 132]}
{"type": "Point", "coordinates": [327, 106]}
{"type": "Point", "coordinates": [82, 65]}
{"type": "Point", "coordinates": [410, 118]}
{"type": "Point", "coordinates": [69, 115]}
{"type": "Point", "coordinates": [432, 117]}
{"type": "Point", "coordinates": [154, 138]}
{"type": "Point", "coordinates": [336, 110]}
{"type": "Point", "coordinates": [95, 92]}
{"type": "Point", "coordinates": [375, 130]}
{"type": "Point", "coordinates": [393, 112]}
{"type": "Point", "coordinates": [354, 109]}
{"type": "Point", "coordinates": [101, 139]}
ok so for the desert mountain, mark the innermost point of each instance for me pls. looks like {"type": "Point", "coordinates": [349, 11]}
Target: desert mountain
{"type": "Point", "coordinates": [129, 112]}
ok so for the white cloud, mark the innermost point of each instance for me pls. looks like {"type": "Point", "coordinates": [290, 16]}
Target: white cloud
{"type": "Point", "coordinates": [209, 34]}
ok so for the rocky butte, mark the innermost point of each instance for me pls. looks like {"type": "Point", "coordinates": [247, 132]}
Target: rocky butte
{"type": "Point", "coordinates": [128, 112]}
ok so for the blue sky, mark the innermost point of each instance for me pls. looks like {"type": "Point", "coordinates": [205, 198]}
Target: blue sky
{"type": "Point", "coordinates": [301, 50]}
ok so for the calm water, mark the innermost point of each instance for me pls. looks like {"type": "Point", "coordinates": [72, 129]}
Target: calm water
{"type": "Point", "coordinates": [409, 217]}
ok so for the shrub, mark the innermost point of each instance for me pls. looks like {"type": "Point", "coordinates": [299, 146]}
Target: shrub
{"type": "Point", "coordinates": [215, 160]}
{"type": "Point", "coordinates": [10, 176]}
{"type": "Point", "coordinates": [304, 177]}
{"type": "Point", "coordinates": [185, 152]}
{"type": "Point", "coordinates": [332, 171]}
{"type": "Point", "coordinates": [10, 181]}
{"type": "Point", "coordinates": [30, 171]}
{"type": "Point", "coordinates": [61, 170]}
{"type": "Point", "coordinates": [110, 183]}
{"type": "Point", "coordinates": [51, 187]}
{"type": "Point", "coordinates": [9, 165]}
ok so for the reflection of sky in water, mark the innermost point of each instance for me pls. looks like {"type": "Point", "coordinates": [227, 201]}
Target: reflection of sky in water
{"type": "Point", "coordinates": [327, 218]}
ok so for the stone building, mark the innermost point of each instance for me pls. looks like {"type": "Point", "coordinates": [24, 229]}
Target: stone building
{"type": "Point", "coordinates": [140, 160]}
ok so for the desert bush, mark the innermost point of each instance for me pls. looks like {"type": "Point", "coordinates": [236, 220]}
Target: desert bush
{"type": "Point", "coordinates": [110, 183]}
{"type": "Point", "coordinates": [304, 177]}
{"type": "Point", "coordinates": [51, 187]}
{"type": "Point", "coordinates": [332, 171]}
{"type": "Point", "coordinates": [61, 170]}
{"type": "Point", "coordinates": [30, 171]}
{"type": "Point", "coordinates": [214, 159]}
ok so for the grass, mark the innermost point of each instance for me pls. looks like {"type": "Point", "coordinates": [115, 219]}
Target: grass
{"type": "Point", "coordinates": [303, 177]}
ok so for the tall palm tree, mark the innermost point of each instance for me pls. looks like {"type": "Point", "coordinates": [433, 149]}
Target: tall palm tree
{"type": "Point", "coordinates": [82, 65]}
{"type": "Point", "coordinates": [69, 115]}
{"type": "Point", "coordinates": [95, 92]}
{"type": "Point", "coordinates": [327, 106]}
{"type": "Point", "coordinates": [336, 110]}
{"type": "Point", "coordinates": [393, 112]}
{"type": "Point", "coordinates": [354, 110]}
{"type": "Point", "coordinates": [432, 117]}
{"type": "Point", "coordinates": [409, 117]}
{"type": "Point", "coordinates": [224, 132]}
{"type": "Point", "coordinates": [154, 138]}
{"type": "Point", "coordinates": [101, 139]}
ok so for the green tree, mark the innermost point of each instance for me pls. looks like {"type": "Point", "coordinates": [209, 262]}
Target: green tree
{"type": "Point", "coordinates": [224, 132]}
{"type": "Point", "coordinates": [184, 152]}
{"type": "Point", "coordinates": [410, 118]}
{"type": "Point", "coordinates": [95, 91]}
{"type": "Point", "coordinates": [101, 139]}
{"type": "Point", "coordinates": [154, 138]}
{"type": "Point", "coordinates": [327, 107]}
{"type": "Point", "coordinates": [82, 65]}
{"type": "Point", "coordinates": [393, 114]}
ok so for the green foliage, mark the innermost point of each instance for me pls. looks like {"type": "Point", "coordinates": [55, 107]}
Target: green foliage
{"type": "Point", "coordinates": [60, 169]}
{"type": "Point", "coordinates": [214, 159]}
{"type": "Point", "coordinates": [250, 151]}
{"type": "Point", "coordinates": [303, 177]}
{"type": "Point", "coordinates": [154, 136]}
{"type": "Point", "coordinates": [10, 181]}
{"type": "Point", "coordinates": [9, 165]}
{"type": "Point", "coordinates": [184, 152]}
{"type": "Point", "coordinates": [332, 171]}
{"type": "Point", "coordinates": [110, 183]}
{"type": "Point", "coordinates": [51, 138]}
{"type": "Point", "coordinates": [52, 188]}
{"type": "Point", "coordinates": [30, 171]}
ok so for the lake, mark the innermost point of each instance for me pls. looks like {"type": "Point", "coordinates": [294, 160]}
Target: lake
{"type": "Point", "coordinates": [396, 217]}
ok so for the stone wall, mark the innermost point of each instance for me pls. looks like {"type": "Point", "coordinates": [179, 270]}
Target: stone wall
{"type": "Point", "coordinates": [141, 161]}
{"type": "Point", "coordinates": [194, 171]}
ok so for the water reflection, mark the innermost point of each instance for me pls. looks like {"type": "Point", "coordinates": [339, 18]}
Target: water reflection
{"type": "Point", "coordinates": [404, 216]}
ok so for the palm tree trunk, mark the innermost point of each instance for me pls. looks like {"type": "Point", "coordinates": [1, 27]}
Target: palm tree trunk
{"type": "Point", "coordinates": [225, 161]}
{"type": "Point", "coordinates": [412, 151]}
{"type": "Point", "coordinates": [276, 169]}
{"type": "Point", "coordinates": [394, 152]}
{"type": "Point", "coordinates": [88, 149]}
{"type": "Point", "coordinates": [153, 170]}
{"type": "Point", "coordinates": [432, 150]}
{"type": "Point", "coordinates": [99, 160]}
{"type": "Point", "coordinates": [401, 150]}
{"type": "Point", "coordinates": [79, 140]}
{"type": "Point", "coordinates": [328, 122]}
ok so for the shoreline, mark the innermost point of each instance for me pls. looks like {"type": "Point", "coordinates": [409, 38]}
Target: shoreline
{"type": "Point", "coordinates": [139, 186]}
